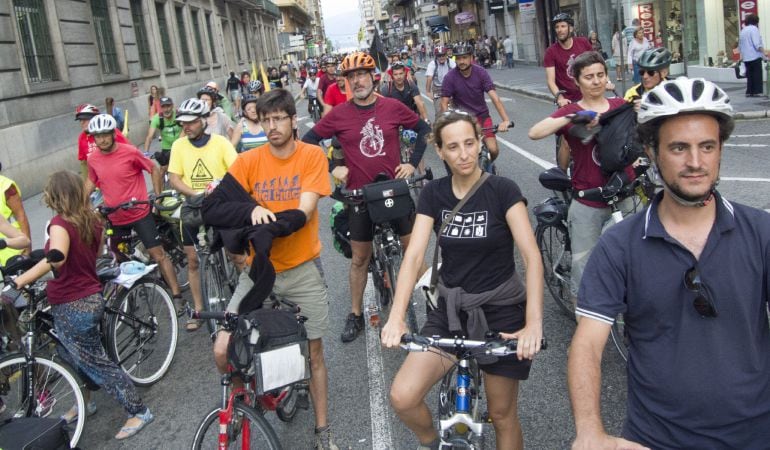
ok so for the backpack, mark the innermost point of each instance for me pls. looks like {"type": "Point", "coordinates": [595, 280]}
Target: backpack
{"type": "Point", "coordinates": [616, 141]}
{"type": "Point", "coordinates": [338, 220]}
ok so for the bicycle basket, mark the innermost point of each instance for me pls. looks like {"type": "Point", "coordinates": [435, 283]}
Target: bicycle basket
{"type": "Point", "coordinates": [170, 208]}
{"type": "Point", "coordinates": [272, 346]}
{"type": "Point", "coordinates": [388, 200]}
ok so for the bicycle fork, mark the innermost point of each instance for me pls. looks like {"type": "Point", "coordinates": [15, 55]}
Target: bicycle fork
{"type": "Point", "coordinates": [462, 420]}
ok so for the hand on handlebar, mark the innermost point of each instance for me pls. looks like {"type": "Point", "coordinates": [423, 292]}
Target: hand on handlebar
{"type": "Point", "coordinates": [404, 170]}
{"type": "Point", "coordinates": [563, 101]}
{"type": "Point", "coordinates": [529, 341]}
{"type": "Point", "coordinates": [341, 173]}
{"type": "Point", "coordinates": [503, 126]}
{"type": "Point", "coordinates": [391, 333]}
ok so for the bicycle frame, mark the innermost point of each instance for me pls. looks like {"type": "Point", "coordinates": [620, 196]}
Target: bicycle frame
{"type": "Point", "coordinates": [464, 402]}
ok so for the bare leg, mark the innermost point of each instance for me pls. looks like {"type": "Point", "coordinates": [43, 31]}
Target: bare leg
{"type": "Point", "coordinates": [502, 399]}
{"type": "Point", "coordinates": [194, 276]}
{"type": "Point", "coordinates": [166, 268]}
{"type": "Point", "coordinates": [362, 253]}
{"type": "Point", "coordinates": [319, 383]}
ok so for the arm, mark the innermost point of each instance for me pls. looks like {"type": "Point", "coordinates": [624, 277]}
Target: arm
{"type": "Point", "coordinates": [148, 139]}
{"type": "Point", "coordinates": [444, 104]}
{"type": "Point", "coordinates": [500, 110]}
{"type": "Point", "coordinates": [88, 188]}
{"type": "Point", "coordinates": [421, 107]}
{"type": "Point", "coordinates": [429, 85]}
{"type": "Point", "coordinates": [236, 136]}
{"type": "Point", "coordinates": [13, 237]}
{"type": "Point", "coordinates": [17, 208]}
{"type": "Point", "coordinates": [530, 336]}
{"type": "Point", "coordinates": [176, 182]}
{"type": "Point", "coordinates": [58, 240]}
{"type": "Point", "coordinates": [547, 127]}
{"type": "Point", "coordinates": [308, 203]}
{"type": "Point", "coordinates": [157, 179]}
{"type": "Point", "coordinates": [550, 80]}
{"type": "Point", "coordinates": [407, 277]}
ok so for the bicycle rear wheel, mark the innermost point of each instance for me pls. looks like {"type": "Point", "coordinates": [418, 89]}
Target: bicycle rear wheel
{"type": "Point", "coordinates": [214, 286]}
{"type": "Point", "coordinates": [619, 337]}
{"type": "Point", "coordinates": [247, 429]}
{"type": "Point", "coordinates": [554, 244]}
{"type": "Point", "coordinates": [142, 331]}
{"type": "Point", "coordinates": [54, 391]}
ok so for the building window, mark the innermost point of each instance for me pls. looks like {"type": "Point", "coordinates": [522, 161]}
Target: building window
{"type": "Point", "coordinates": [182, 38]}
{"type": "Point", "coordinates": [237, 41]}
{"type": "Point", "coordinates": [105, 40]}
{"type": "Point", "coordinates": [211, 39]}
{"type": "Point", "coordinates": [168, 56]}
{"type": "Point", "coordinates": [35, 40]}
{"type": "Point", "coordinates": [140, 30]}
{"type": "Point", "coordinates": [196, 17]}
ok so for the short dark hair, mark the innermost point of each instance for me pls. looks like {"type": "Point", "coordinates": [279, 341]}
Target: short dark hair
{"type": "Point", "coordinates": [276, 100]}
{"type": "Point", "coordinates": [584, 60]}
{"type": "Point", "coordinates": [751, 19]}
{"type": "Point", "coordinates": [449, 117]}
{"type": "Point", "coordinates": [648, 133]}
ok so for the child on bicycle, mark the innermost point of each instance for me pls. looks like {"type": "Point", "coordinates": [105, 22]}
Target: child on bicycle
{"type": "Point", "coordinates": [75, 296]}
{"type": "Point", "coordinates": [478, 276]}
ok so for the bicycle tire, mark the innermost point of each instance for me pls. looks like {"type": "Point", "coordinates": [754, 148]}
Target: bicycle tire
{"type": "Point", "coordinates": [553, 242]}
{"type": "Point", "coordinates": [619, 337]}
{"type": "Point", "coordinates": [287, 408]}
{"type": "Point", "coordinates": [55, 383]}
{"type": "Point", "coordinates": [142, 334]}
{"type": "Point", "coordinates": [263, 435]}
{"type": "Point", "coordinates": [213, 282]}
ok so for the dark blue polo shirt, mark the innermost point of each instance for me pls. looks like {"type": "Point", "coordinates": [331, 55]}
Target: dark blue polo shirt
{"type": "Point", "coordinates": [693, 382]}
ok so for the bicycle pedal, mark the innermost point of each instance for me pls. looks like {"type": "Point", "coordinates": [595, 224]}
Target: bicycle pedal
{"type": "Point", "coordinates": [303, 402]}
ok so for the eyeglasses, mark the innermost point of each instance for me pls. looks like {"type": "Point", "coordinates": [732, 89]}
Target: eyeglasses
{"type": "Point", "coordinates": [703, 302]}
{"type": "Point", "coordinates": [650, 73]}
{"type": "Point", "coordinates": [268, 121]}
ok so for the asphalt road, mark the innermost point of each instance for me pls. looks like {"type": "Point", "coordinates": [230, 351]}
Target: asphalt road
{"type": "Point", "coordinates": [360, 372]}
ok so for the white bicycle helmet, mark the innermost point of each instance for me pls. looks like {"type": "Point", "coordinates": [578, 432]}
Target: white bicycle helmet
{"type": "Point", "coordinates": [102, 123]}
{"type": "Point", "coordinates": [192, 109]}
{"type": "Point", "coordinates": [683, 94]}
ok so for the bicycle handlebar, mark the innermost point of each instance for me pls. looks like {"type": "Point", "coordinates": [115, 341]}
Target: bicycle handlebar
{"type": "Point", "coordinates": [172, 194]}
{"type": "Point", "coordinates": [352, 194]}
{"type": "Point", "coordinates": [494, 127]}
{"type": "Point", "coordinates": [133, 203]}
{"type": "Point", "coordinates": [497, 347]}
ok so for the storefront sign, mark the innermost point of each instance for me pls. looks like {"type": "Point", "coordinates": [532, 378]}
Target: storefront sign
{"type": "Point", "coordinates": [647, 20]}
{"type": "Point", "coordinates": [464, 18]}
{"type": "Point", "coordinates": [746, 7]}
{"type": "Point", "coordinates": [495, 7]}
{"type": "Point", "coordinates": [527, 9]}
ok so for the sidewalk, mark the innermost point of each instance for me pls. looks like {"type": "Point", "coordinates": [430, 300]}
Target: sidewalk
{"type": "Point", "coordinates": [530, 80]}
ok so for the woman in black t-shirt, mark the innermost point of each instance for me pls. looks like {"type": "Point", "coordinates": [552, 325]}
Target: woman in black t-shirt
{"type": "Point", "coordinates": [477, 255]}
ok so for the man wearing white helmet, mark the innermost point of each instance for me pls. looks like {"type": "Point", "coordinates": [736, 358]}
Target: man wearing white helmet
{"type": "Point", "coordinates": [116, 169]}
{"type": "Point", "coordinates": [690, 275]}
{"type": "Point", "coordinates": [196, 160]}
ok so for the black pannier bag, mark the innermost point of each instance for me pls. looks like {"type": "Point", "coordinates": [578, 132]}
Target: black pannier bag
{"type": "Point", "coordinates": [34, 433]}
{"type": "Point", "coordinates": [388, 200]}
{"type": "Point", "coordinates": [616, 141]}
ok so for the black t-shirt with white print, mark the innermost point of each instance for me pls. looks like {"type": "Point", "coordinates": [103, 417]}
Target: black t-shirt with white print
{"type": "Point", "coordinates": [477, 247]}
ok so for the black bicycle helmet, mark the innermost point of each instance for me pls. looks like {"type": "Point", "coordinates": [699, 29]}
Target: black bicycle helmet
{"type": "Point", "coordinates": [248, 99]}
{"type": "Point", "coordinates": [563, 17]}
{"type": "Point", "coordinates": [655, 59]}
{"type": "Point", "coordinates": [463, 49]}
{"type": "Point", "coordinates": [206, 90]}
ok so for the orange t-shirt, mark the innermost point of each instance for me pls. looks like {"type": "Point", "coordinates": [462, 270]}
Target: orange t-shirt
{"type": "Point", "coordinates": [277, 184]}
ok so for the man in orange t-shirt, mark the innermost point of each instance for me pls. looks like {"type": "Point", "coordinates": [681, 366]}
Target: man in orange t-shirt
{"type": "Point", "coordinates": [289, 174]}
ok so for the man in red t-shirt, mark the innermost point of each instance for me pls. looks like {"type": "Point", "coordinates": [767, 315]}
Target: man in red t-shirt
{"type": "Point", "coordinates": [117, 170]}
{"type": "Point", "coordinates": [335, 95]}
{"type": "Point", "coordinates": [559, 57]}
{"type": "Point", "coordinates": [84, 113]}
{"type": "Point", "coordinates": [326, 80]}
{"type": "Point", "coordinates": [367, 127]}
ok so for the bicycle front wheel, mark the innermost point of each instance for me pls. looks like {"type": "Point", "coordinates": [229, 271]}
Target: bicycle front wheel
{"type": "Point", "coordinates": [246, 429]}
{"type": "Point", "coordinates": [142, 332]}
{"type": "Point", "coordinates": [213, 286]}
{"type": "Point", "coordinates": [39, 388]}
{"type": "Point", "coordinates": [554, 244]}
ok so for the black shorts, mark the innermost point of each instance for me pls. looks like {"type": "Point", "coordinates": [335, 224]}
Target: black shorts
{"type": "Point", "coordinates": [499, 319]}
{"type": "Point", "coordinates": [362, 227]}
{"type": "Point", "coordinates": [189, 235]}
{"type": "Point", "coordinates": [163, 157]}
{"type": "Point", "coordinates": [145, 228]}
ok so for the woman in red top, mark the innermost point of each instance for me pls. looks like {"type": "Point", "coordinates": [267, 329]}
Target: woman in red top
{"type": "Point", "coordinates": [75, 296]}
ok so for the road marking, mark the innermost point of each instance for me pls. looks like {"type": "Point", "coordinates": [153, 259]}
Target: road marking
{"type": "Point", "coordinates": [426, 97]}
{"type": "Point", "coordinates": [310, 124]}
{"type": "Point", "coordinates": [748, 135]}
{"type": "Point", "coordinates": [382, 438]}
{"type": "Point", "coordinates": [745, 145]}
{"type": "Point", "coordinates": [754, 180]}
{"type": "Point", "coordinates": [535, 159]}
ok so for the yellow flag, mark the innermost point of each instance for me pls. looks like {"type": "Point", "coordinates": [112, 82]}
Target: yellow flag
{"type": "Point", "coordinates": [264, 78]}
{"type": "Point", "coordinates": [125, 123]}
{"type": "Point", "coordinates": [254, 74]}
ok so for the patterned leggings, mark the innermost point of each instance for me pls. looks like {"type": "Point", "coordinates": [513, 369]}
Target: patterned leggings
{"type": "Point", "coordinates": [77, 325]}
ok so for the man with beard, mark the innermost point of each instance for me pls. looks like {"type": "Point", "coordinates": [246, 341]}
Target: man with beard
{"type": "Point", "coordinates": [558, 60]}
{"type": "Point", "coordinates": [116, 169]}
{"type": "Point", "coordinates": [403, 90]}
{"type": "Point", "coordinates": [334, 95]}
{"type": "Point", "coordinates": [691, 277]}
{"type": "Point", "coordinates": [288, 175]}
{"type": "Point", "coordinates": [196, 161]}
{"type": "Point", "coordinates": [170, 131]}
{"type": "Point", "coordinates": [367, 127]}
{"type": "Point", "coordinates": [465, 86]}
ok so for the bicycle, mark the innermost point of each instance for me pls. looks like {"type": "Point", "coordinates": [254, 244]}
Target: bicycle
{"type": "Point", "coordinates": [485, 157]}
{"type": "Point", "coordinates": [218, 276]}
{"type": "Point", "coordinates": [241, 414]}
{"type": "Point", "coordinates": [460, 417]}
{"type": "Point", "coordinates": [408, 141]}
{"type": "Point", "coordinates": [552, 231]}
{"type": "Point", "coordinates": [387, 251]}
{"type": "Point", "coordinates": [32, 382]}
{"type": "Point", "coordinates": [315, 109]}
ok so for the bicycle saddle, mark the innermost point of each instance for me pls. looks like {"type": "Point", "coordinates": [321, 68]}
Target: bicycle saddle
{"type": "Point", "coordinates": [555, 179]}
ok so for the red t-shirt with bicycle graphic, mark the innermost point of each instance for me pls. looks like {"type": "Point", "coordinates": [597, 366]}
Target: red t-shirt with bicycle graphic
{"type": "Point", "coordinates": [369, 136]}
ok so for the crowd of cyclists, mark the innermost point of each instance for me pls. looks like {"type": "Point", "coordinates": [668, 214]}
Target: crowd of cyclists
{"type": "Point", "coordinates": [689, 273]}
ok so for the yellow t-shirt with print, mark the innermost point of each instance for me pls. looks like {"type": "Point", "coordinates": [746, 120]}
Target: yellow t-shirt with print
{"type": "Point", "coordinates": [200, 166]}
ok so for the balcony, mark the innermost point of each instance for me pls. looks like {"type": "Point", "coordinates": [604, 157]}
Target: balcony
{"type": "Point", "coordinates": [295, 8]}
{"type": "Point", "coordinates": [268, 7]}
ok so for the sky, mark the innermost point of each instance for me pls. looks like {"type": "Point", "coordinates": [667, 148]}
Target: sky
{"type": "Point", "coordinates": [341, 22]}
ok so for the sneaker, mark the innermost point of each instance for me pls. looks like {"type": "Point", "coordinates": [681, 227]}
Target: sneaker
{"type": "Point", "coordinates": [353, 325]}
{"type": "Point", "coordinates": [323, 439]}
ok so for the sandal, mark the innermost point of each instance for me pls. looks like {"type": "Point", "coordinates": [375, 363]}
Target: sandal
{"type": "Point", "coordinates": [181, 305]}
{"type": "Point", "coordinates": [127, 432]}
{"type": "Point", "coordinates": [193, 325]}
{"type": "Point", "coordinates": [72, 415]}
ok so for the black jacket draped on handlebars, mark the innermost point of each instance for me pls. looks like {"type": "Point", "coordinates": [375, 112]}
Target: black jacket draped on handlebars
{"type": "Point", "coordinates": [228, 209]}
